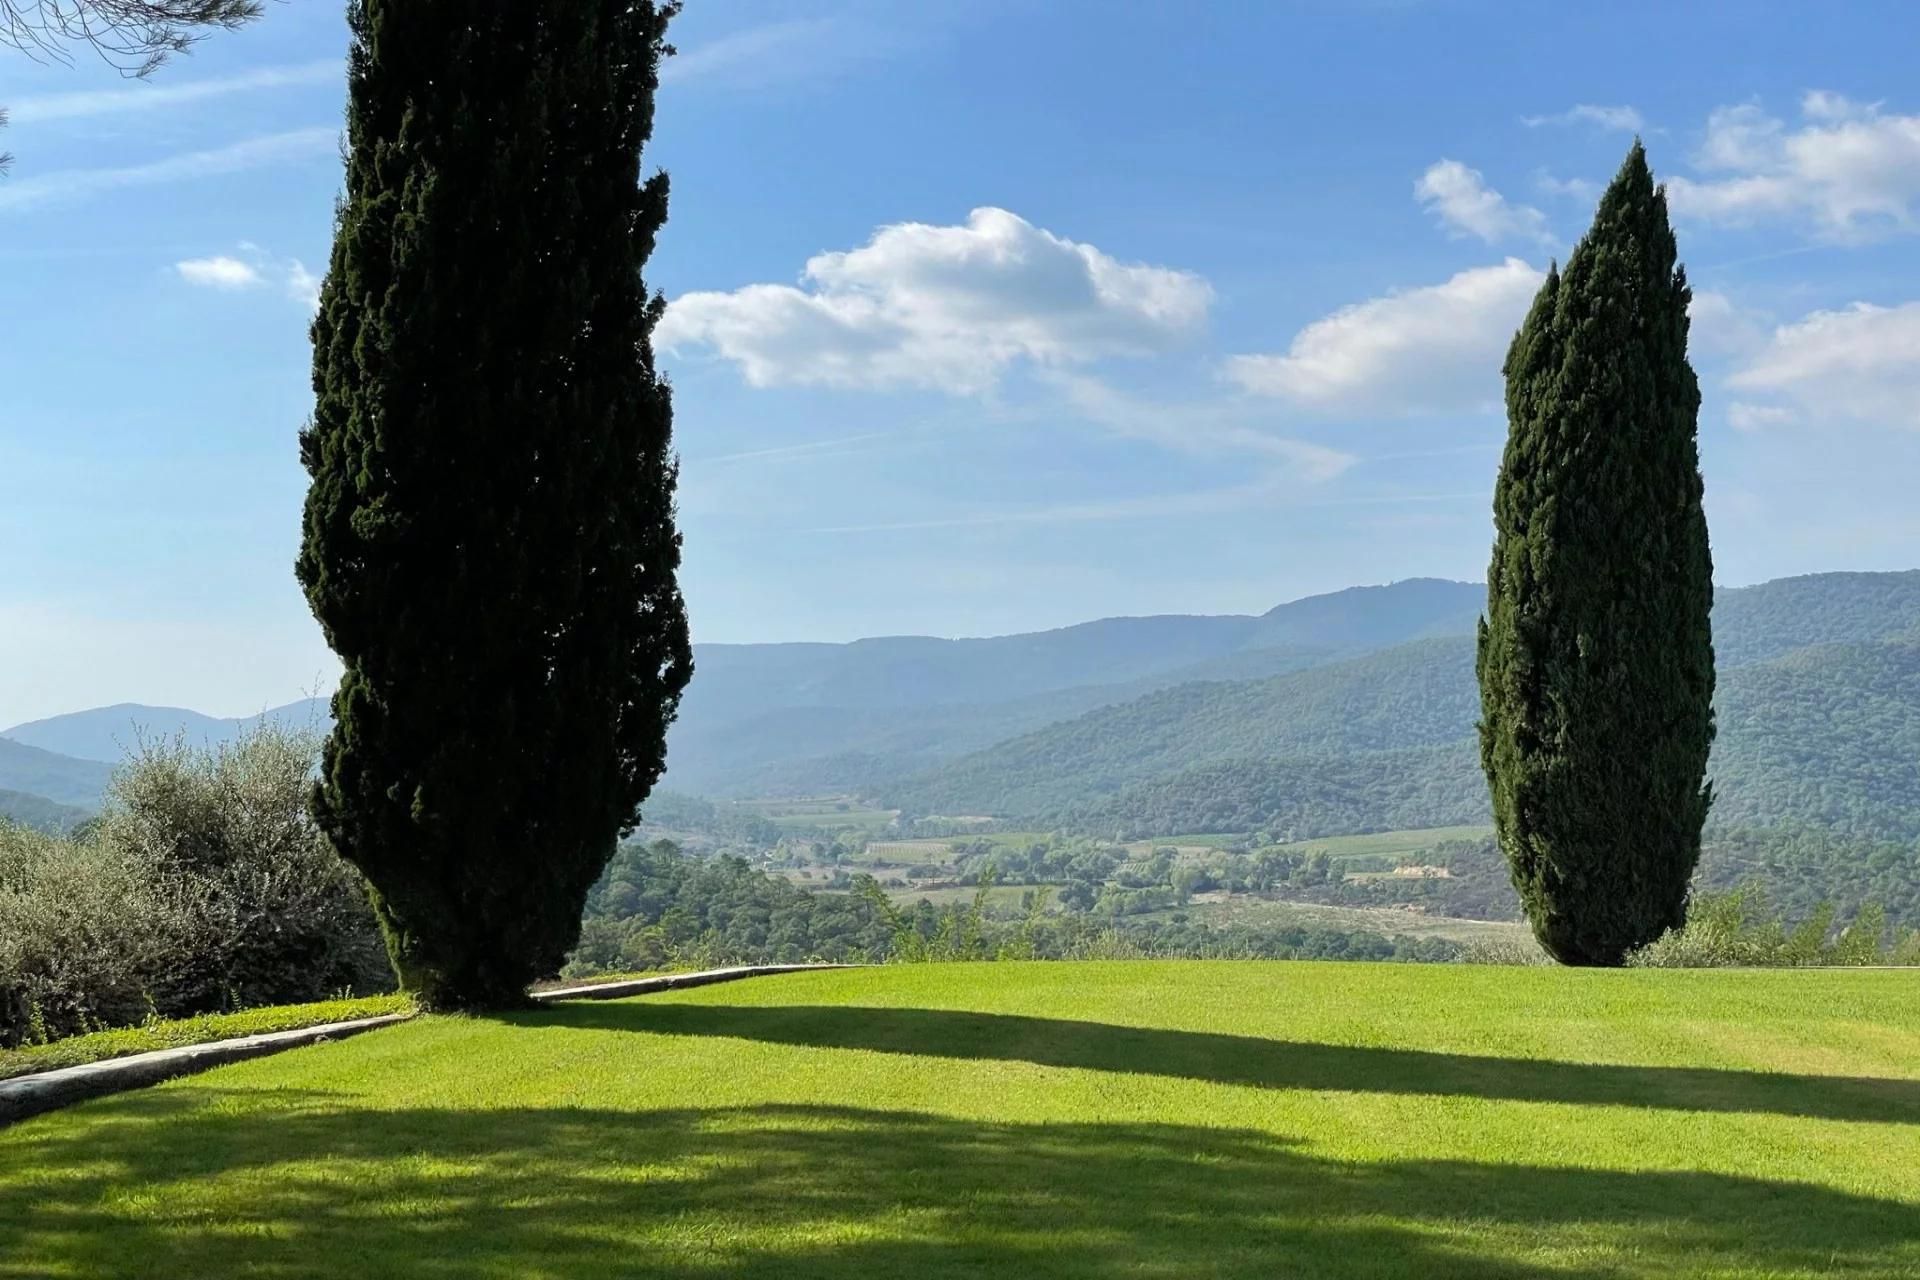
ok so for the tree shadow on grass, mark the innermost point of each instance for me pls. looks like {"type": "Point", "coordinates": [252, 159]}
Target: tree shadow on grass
{"type": "Point", "coordinates": [185, 1181]}
{"type": "Point", "coordinates": [1251, 1060]}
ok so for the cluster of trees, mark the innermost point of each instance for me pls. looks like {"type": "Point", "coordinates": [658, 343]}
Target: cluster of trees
{"type": "Point", "coordinates": [203, 886]}
{"type": "Point", "coordinates": [658, 907]}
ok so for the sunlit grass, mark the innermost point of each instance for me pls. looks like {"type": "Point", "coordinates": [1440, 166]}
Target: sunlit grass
{"type": "Point", "coordinates": [1164, 1119]}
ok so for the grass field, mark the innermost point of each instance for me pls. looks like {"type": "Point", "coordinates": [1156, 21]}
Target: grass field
{"type": "Point", "coordinates": [1261, 912]}
{"type": "Point", "coordinates": [1148, 1119]}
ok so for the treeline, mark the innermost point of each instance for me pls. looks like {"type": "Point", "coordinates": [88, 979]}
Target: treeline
{"type": "Point", "coordinates": [657, 907]}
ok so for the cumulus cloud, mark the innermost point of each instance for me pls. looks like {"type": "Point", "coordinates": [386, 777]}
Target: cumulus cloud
{"type": "Point", "coordinates": [1463, 202]}
{"type": "Point", "coordinates": [1623, 119]}
{"type": "Point", "coordinates": [1861, 363]}
{"type": "Point", "coordinates": [225, 273]}
{"type": "Point", "coordinates": [1431, 349]}
{"type": "Point", "coordinates": [1850, 170]}
{"type": "Point", "coordinates": [946, 307]}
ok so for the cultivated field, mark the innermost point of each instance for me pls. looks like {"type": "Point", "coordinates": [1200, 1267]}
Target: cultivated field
{"type": "Point", "coordinates": [1162, 1119]}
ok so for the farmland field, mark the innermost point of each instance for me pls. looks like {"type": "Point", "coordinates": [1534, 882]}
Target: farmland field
{"type": "Point", "coordinates": [1072, 1121]}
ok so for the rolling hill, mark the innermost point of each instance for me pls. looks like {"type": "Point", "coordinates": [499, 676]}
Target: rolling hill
{"type": "Point", "coordinates": [1827, 735]}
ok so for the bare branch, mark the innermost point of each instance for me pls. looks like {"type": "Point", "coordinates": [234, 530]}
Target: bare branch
{"type": "Point", "coordinates": [135, 36]}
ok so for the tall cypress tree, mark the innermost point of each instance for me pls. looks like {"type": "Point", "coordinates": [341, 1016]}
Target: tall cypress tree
{"type": "Point", "coordinates": [1596, 653]}
{"type": "Point", "coordinates": [489, 535]}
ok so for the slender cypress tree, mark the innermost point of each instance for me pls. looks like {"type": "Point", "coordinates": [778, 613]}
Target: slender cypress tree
{"type": "Point", "coordinates": [1596, 653]}
{"type": "Point", "coordinates": [489, 535]}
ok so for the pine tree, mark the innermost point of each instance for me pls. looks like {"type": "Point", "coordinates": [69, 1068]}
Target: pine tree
{"type": "Point", "coordinates": [1596, 652]}
{"type": "Point", "coordinates": [489, 534]}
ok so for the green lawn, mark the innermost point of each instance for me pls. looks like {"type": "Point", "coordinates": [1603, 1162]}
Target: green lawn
{"type": "Point", "coordinates": [1151, 1119]}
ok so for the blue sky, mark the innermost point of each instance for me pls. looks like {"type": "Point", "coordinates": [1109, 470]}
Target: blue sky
{"type": "Point", "coordinates": [989, 316]}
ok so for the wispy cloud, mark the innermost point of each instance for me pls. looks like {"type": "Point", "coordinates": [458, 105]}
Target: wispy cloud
{"type": "Point", "coordinates": [1153, 506]}
{"type": "Point", "coordinates": [143, 96]}
{"type": "Point", "coordinates": [1622, 119]}
{"type": "Point", "coordinates": [782, 452]}
{"type": "Point", "coordinates": [69, 185]}
{"type": "Point", "coordinates": [1207, 427]}
{"type": "Point", "coordinates": [779, 53]}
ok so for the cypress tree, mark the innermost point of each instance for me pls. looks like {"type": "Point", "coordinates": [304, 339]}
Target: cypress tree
{"type": "Point", "coordinates": [1596, 654]}
{"type": "Point", "coordinates": [489, 533]}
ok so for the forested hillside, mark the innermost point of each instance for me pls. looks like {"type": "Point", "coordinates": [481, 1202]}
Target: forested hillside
{"type": "Point", "coordinates": [1827, 736]}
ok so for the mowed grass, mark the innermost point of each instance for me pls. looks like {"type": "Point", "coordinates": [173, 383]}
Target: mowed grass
{"type": "Point", "coordinates": [1074, 1120]}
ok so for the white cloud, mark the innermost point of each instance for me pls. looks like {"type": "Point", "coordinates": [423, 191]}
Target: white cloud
{"type": "Point", "coordinates": [302, 285]}
{"type": "Point", "coordinates": [143, 96]}
{"type": "Point", "coordinates": [1624, 119]}
{"type": "Point", "coordinates": [1850, 170]}
{"type": "Point", "coordinates": [947, 307]}
{"type": "Point", "coordinates": [68, 185]}
{"type": "Point", "coordinates": [219, 273]}
{"type": "Point", "coordinates": [1742, 416]}
{"type": "Point", "coordinates": [1568, 188]}
{"type": "Point", "coordinates": [784, 52]}
{"type": "Point", "coordinates": [1431, 349]}
{"type": "Point", "coordinates": [253, 269]}
{"type": "Point", "coordinates": [1720, 325]}
{"type": "Point", "coordinates": [1466, 205]}
{"type": "Point", "coordinates": [1198, 428]}
{"type": "Point", "coordinates": [1862, 364]}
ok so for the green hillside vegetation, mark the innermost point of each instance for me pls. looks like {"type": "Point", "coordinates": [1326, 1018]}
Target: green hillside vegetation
{"type": "Point", "coordinates": [51, 776]}
{"type": "Point", "coordinates": [1417, 695]}
{"type": "Point", "coordinates": [1054, 1121]}
{"type": "Point", "coordinates": [1752, 624]}
{"type": "Point", "coordinates": [40, 813]}
{"type": "Point", "coordinates": [1828, 735]}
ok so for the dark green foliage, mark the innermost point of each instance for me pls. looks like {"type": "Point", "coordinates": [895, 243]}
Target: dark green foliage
{"type": "Point", "coordinates": [1596, 655]}
{"type": "Point", "coordinates": [1417, 695]}
{"type": "Point", "coordinates": [489, 536]}
{"type": "Point", "coordinates": [1828, 736]}
{"type": "Point", "coordinates": [1342, 795]}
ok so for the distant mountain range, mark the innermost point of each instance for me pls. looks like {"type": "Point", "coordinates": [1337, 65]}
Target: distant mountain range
{"type": "Point", "coordinates": [1357, 702]}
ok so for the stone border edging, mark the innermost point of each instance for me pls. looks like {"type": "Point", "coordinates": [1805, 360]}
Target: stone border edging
{"type": "Point", "coordinates": [31, 1095]}
{"type": "Point", "coordinates": [675, 981]}
{"type": "Point", "coordinates": [24, 1096]}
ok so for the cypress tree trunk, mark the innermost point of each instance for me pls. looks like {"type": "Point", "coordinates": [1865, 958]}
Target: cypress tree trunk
{"type": "Point", "coordinates": [489, 535]}
{"type": "Point", "coordinates": [1596, 653]}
